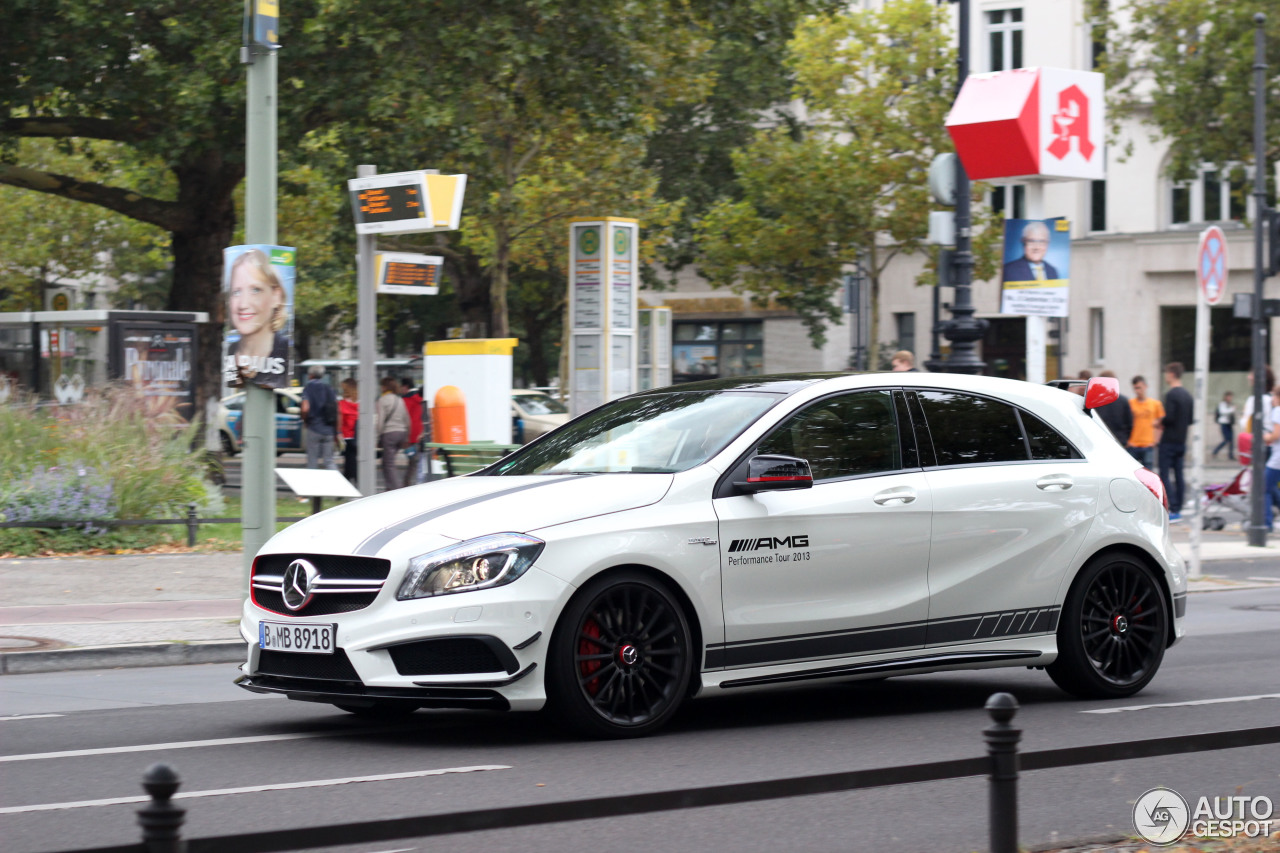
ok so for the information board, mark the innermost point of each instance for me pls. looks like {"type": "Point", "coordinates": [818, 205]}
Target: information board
{"type": "Point", "coordinates": [407, 202]}
{"type": "Point", "coordinates": [408, 274]}
{"type": "Point", "coordinates": [603, 310]}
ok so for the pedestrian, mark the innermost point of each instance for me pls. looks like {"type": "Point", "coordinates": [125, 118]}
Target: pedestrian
{"type": "Point", "coordinates": [392, 425]}
{"type": "Point", "coordinates": [903, 361]}
{"type": "Point", "coordinates": [1272, 438]}
{"type": "Point", "coordinates": [1147, 413]}
{"type": "Point", "coordinates": [1179, 411]}
{"type": "Point", "coordinates": [1246, 414]}
{"type": "Point", "coordinates": [1080, 389]}
{"type": "Point", "coordinates": [1226, 423]}
{"type": "Point", "coordinates": [1117, 415]}
{"type": "Point", "coordinates": [320, 417]}
{"type": "Point", "coordinates": [413, 405]}
{"type": "Point", "coordinates": [348, 419]}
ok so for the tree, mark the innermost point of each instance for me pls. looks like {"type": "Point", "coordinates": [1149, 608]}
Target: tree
{"type": "Point", "coordinates": [165, 81]}
{"type": "Point", "coordinates": [1185, 68]}
{"type": "Point", "coordinates": [848, 185]}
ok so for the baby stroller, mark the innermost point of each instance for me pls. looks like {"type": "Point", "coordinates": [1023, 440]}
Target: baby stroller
{"type": "Point", "coordinates": [1227, 503]}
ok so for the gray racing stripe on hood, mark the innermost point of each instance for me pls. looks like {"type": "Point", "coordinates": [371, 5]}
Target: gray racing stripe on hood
{"type": "Point", "coordinates": [375, 542]}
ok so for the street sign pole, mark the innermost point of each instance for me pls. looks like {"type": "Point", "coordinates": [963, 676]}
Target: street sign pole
{"type": "Point", "coordinates": [1211, 286]}
{"type": "Point", "coordinates": [366, 344]}
{"type": "Point", "coordinates": [258, 484]}
{"type": "Point", "coordinates": [1037, 327]}
{"type": "Point", "coordinates": [1257, 492]}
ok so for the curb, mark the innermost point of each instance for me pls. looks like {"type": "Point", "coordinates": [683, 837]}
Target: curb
{"type": "Point", "coordinates": [133, 654]}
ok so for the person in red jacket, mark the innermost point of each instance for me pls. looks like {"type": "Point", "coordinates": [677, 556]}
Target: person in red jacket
{"type": "Point", "coordinates": [413, 402]}
{"type": "Point", "coordinates": [348, 414]}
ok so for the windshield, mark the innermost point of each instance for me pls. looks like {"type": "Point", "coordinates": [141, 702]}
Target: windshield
{"type": "Point", "coordinates": [653, 434]}
{"type": "Point", "coordinates": [537, 404]}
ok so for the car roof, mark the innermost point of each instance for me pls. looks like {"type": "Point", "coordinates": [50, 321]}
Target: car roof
{"type": "Point", "coordinates": [789, 383]}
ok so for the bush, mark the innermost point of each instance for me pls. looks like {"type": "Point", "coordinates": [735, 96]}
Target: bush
{"type": "Point", "coordinates": [106, 458]}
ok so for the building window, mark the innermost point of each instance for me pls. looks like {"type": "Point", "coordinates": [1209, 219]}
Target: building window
{"type": "Point", "coordinates": [1098, 205]}
{"type": "Point", "coordinates": [1213, 195]}
{"type": "Point", "coordinates": [1004, 39]}
{"type": "Point", "coordinates": [1010, 200]}
{"type": "Point", "coordinates": [708, 350]}
{"type": "Point", "coordinates": [905, 324]}
{"type": "Point", "coordinates": [1097, 337]}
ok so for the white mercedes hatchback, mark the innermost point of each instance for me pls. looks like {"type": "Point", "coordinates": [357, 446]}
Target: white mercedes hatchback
{"type": "Point", "coordinates": [732, 535]}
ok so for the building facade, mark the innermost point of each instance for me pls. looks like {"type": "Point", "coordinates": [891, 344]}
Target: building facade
{"type": "Point", "coordinates": [1134, 244]}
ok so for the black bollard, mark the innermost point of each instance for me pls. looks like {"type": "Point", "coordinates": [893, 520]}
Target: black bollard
{"type": "Point", "coordinates": [1002, 746]}
{"type": "Point", "coordinates": [192, 526]}
{"type": "Point", "coordinates": [160, 819]}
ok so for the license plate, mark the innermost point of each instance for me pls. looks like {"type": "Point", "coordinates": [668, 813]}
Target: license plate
{"type": "Point", "coordinates": [308, 638]}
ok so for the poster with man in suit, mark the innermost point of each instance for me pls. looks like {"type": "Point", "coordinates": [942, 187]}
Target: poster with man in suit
{"type": "Point", "coordinates": [1037, 267]}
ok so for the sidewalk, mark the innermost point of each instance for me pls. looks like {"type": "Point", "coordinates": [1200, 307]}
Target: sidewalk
{"type": "Point", "coordinates": [61, 613]}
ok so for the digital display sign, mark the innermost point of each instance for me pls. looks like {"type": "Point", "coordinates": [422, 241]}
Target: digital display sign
{"type": "Point", "coordinates": [390, 204]}
{"type": "Point", "coordinates": [409, 274]}
{"type": "Point", "coordinates": [407, 202]}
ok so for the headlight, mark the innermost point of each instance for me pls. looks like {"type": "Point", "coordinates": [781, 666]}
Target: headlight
{"type": "Point", "coordinates": [480, 563]}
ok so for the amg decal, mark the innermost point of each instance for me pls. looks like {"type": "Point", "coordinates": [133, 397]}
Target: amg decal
{"type": "Point", "coordinates": [769, 543]}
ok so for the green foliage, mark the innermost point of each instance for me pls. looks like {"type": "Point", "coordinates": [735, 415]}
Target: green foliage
{"type": "Point", "coordinates": [1185, 68]}
{"type": "Point", "coordinates": [106, 458]}
{"type": "Point", "coordinates": [849, 183]}
{"type": "Point", "coordinates": [47, 241]}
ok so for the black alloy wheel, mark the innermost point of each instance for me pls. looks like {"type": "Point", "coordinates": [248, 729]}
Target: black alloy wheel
{"type": "Point", "coordinates": [621, 658]}
{"type": "Point", "coordinates": [1113, 630]}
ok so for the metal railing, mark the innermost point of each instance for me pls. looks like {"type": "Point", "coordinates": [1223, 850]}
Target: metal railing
{"type": "Point", "coordinates": [161, 820]}
{"type": "Point", "coordinates": [190, 520]}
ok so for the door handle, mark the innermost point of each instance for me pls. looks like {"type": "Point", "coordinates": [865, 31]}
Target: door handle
{"type": "Point", "coordinates": [1060, 482]}
{"type": "Point", "coordinates": [898, 496]}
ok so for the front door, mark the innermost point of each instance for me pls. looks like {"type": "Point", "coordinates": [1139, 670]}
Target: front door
{"type": "Point", "coordinates": [837, 569]}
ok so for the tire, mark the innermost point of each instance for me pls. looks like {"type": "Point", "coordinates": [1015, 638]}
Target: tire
{"type": "Point", "coordinates": [620, 659]}
{"type": "Point", "coordinates": [1113, 630]}
{"type": "Point", "coordinates": [228, 446]}
{"type": "Point", "coordinates": [379, 710]}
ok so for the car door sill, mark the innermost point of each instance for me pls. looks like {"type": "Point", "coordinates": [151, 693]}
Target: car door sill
{"type": "Point", "coordinates": [884, 666]}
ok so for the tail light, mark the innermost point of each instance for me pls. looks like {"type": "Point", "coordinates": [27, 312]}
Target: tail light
{"type": "Point", "coordinates": [1155, 484]}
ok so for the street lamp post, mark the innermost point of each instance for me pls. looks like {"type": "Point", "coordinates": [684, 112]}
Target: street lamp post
{"type": "Point", "coordinates": [963, 330]}
{"type": "Point", "coordinates": [1258, 496]}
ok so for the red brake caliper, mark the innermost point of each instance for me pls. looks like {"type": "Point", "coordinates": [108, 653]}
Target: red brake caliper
{"type": "Point", "coordinates": [587, 647]}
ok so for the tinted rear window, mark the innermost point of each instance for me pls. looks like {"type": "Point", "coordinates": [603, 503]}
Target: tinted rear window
{"type": "Point", "coordinates": [970, 430]}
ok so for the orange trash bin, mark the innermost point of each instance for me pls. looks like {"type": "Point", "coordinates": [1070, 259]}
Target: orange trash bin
{"type": "Point", "coordinates": [449, 416]}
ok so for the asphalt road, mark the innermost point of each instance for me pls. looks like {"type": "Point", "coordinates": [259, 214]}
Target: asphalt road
{"type": "Point", "coordinates": [119, 722]}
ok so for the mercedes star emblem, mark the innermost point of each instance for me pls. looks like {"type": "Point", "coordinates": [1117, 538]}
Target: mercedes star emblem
{"type": "Point", "coordinates": [299, 584]}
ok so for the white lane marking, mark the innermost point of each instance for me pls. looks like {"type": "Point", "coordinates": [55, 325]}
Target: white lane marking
{"type": "Point", "coordinates": [29, 716]}
{"type": "Point", "coordinates": [254, 789]}
{"type": "Point", "coordinates": [186, 744]}
{"type": "Point", "coordinates": [1222, 701]}
{"type": "Point", "coordinates": [1269, 580]}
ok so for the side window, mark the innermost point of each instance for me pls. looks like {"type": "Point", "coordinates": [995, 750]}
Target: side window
{"type": "Point", "coordinates": [969, 430]}
{"type": "Point", "coordinates": [1046, 442]}
{"type": "Point", "coordinates": [843, 436]}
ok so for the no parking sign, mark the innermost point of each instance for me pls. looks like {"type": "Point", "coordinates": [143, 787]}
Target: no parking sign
{"type": "Point", "coordinates": [1211, 265]}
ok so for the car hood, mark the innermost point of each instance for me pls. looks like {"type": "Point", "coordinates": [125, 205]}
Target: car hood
{"type": "Point", "coordinates": [463, 508]}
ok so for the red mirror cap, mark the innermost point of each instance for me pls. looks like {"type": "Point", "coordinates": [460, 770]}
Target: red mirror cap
{"type": "Point", "coordinates": [1101, 391]}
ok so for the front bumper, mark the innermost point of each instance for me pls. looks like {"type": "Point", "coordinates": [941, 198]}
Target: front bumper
{"type": "Point", "coordinates": [395, 651]}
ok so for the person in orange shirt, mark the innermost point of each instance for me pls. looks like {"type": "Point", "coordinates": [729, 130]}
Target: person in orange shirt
{"type": "Point", "coordinates": [1147, 414]}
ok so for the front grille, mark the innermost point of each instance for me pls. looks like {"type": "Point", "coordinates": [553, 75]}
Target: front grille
{"type": "Point", "coordinates": [334, 667]}
{"type": "Point", "coordinates": [338, 572]}
{"type": "Point", "coordinates": [451, 656]}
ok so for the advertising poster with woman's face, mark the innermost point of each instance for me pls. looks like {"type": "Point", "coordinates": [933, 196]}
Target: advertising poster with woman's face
{"type": "Point", "coordinates": [258, 282]}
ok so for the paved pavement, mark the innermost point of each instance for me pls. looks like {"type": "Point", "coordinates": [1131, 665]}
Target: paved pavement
{"type": "Point", "coordinates": [64, 613]}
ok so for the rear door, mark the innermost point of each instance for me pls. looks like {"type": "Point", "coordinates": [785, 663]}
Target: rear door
{"type": "Point", "coordinates": [1013, 502]}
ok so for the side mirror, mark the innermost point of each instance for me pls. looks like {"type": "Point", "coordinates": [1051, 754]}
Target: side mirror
{"type": "Point", "coordinates": [1101, 391]}
{"type": "Point", "coordinates": [769, 473]}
